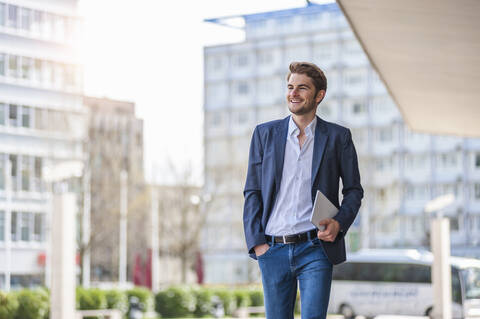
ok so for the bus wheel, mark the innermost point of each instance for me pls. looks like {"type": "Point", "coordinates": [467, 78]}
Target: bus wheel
{"type": "Point", "coordinates": [346, 311]}
{"type": "Point", "coordinates": [429, 312]}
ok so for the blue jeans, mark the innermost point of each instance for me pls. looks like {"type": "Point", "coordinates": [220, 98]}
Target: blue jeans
{"type": "Point", "coordinates": [285, 264]}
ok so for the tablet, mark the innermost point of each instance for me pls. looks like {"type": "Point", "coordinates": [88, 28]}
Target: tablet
{"type": "Point", "coordinates": [322, 209]}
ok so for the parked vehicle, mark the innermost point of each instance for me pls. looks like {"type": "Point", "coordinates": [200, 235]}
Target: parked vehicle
{"type": "Point", "coordinates": [398, 282]}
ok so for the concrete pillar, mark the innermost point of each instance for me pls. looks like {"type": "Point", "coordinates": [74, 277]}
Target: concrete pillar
{"type": "Point", "coordinates": [62, 301]}
{"type": "Point", "coordinates": [441, 271]}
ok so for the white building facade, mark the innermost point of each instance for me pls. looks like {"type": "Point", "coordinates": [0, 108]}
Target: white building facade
{"type": "Point", "coordinates": [401, 170]}
{"type": "Point", "coordinates": [42, 124]}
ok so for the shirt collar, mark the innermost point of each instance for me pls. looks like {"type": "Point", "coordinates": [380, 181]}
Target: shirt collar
{"type": "Point", "coordinates": [309, 130]}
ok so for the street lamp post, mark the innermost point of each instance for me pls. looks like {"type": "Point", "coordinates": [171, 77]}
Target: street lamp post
{"type": "Point", "coordinates": [122, 271]}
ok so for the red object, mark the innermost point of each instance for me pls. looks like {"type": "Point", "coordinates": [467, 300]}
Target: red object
{"type": "Point", "coordinates": [199, 268]}
{"type": "Point", "coordinates": [41, 259]}
{"type": "Point", "coordinates": [138, 277]}
{"type": "Point", "coordinates": [77, 259]}
{"type": "Point", "coordinates": [148, 270]}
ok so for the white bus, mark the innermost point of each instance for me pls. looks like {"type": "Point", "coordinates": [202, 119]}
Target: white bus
{"type": "Point", "coordinates": [398, 282]}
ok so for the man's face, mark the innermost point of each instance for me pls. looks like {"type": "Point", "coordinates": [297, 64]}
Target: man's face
{"type": "Point", "coordinates": [301, 97]}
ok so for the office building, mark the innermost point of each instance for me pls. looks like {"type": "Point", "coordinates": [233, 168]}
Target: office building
{"type": "Point", "coordinates": [401, 170]}
{"type": "Point", "coordinates": [41, 128]}
{"type": "Point", "coordinates": [115, 145]}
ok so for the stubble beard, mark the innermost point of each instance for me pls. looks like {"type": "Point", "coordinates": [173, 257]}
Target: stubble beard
{"type": "Point", "coordinates": [305, 109]}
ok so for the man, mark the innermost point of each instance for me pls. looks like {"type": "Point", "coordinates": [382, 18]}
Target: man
{"type": "Point", "coordinates": [289, 161]}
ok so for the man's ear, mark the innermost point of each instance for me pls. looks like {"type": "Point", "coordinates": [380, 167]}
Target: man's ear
{"type": "Point", "coordinates": [320, 96]}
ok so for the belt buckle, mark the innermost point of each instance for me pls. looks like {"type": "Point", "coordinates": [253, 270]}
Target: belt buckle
{"type": "Point", "coordinates": [284, 237]}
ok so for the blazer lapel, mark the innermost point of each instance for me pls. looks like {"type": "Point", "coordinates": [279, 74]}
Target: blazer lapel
{"type": "Point", "coordinates": [321, 138]}
{"type": "Point", "coordinates": [280, 141]}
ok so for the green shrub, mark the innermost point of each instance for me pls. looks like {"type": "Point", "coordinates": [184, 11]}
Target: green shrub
{"type": "Point", "coordinates": [203, 302]}
{"type": "Point", "coordinates": [91, 299]}
{"type": "Point", "coordinates": [117, 300]}
{"type": "Point", "coordinates": [145, 298]}
{"type": "Point", "coordinates": [175, 302]}
{"type": "Point", "coordinates": [242, 299]}
{"type": "Point", "coordinates": [32, 304]}
{"type": "Point", "coordinates": [228, 300]}
{"type": "Point", "coordinates": [8, 305]}
{"type": "Point", "coordinates": [256, 297]}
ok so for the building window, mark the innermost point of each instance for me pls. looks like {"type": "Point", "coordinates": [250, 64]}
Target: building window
{"type": "Point", "coordinates": [25, 18]}
{"type": "Point", "coordinates": [2, 114]}
{"type": "Point", "coordinates": [242, 88]}
{"type": "Point", "coordinates": [242, 117]}
{"type": "Point", "coordinates": [2, 225]}
{"type": "Point", "coordinates": [216, 119]}
{"type": "Point", "coordinates": [2, 63]}
{"type": "Point", "coordinates": [13, 115]}
{"type": "Point", "coordinates": [37, 21]}
{"type": "Point", "coordinates": [385, 134]}
{"type": "Point", "coordinates": [25, 173]}
{"type": "Point", "coordinates": [38, 227]}
{"type": "Point", "coordinates": [13, 172]}
{"type": "Point", "coordinates": [454, 224]}
{"type": "Point", "coordinates": [477, 191]}
{"type": "Point", "coordinates": [216, 63]}
{"type": "Point", "coordinates": [2, 171]}
{"type": "Point", "coordinates": [2, 14]}
{"type": "Point", "coordinates": [26, 111]}
{"type": "Point", "coordinates": [265, 57]}
{"type": "Point", "coordinates": [13, 226]}
{"type": "Point", "coordinates": [448, 160]}
{"type": "Point", "coordinates": [25, 227]}
{"type": "Point", "coordinates": [242, 60]}
{"type": "Point", "coordinates": [358, 108]}
{"type": "Point", "coordinates": [37, 70]}
{"type": "Point", "coordinates": [26, 68]}
{"type": "Point", "coordinates": [38, 173]}
{"type": "Point", "coordinates": [12, 66]}
{"type": "Point", "coordinates": [12, 16]}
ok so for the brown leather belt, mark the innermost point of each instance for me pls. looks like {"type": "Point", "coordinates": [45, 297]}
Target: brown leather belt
{"type": "Point", "coordinates": [293, 239]}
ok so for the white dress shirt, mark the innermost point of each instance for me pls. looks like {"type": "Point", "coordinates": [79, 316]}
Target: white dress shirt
{"type": "Point", "coordinates": [293, 205]}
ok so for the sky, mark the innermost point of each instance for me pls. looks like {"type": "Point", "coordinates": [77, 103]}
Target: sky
{"type": "Point", "coordinates": [150, 52]}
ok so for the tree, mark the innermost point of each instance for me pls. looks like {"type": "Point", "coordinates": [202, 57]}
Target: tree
{"type": "Point", "coordinates": [182, 216]}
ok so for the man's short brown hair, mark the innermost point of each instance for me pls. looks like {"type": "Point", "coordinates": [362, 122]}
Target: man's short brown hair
{"type": "Point", "coordinates": [310, 70]}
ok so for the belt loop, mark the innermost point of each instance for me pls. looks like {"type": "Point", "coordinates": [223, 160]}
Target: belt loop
{"type": "Point", "coordinates": [272, 239]}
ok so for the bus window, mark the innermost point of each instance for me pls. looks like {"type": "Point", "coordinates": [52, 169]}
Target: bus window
{"type": "Point", "coordinates": [471, 279]}
{"type": "Point", "coordinates": [386, 272]}
{"type": "Point", "coordinates": [456, 288]}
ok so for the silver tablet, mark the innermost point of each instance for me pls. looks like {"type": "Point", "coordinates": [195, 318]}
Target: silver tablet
{"type": "Point", "coordinates": [322, 209]}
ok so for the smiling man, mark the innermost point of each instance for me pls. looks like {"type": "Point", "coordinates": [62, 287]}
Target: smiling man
{"type": "Point", "coordinates": [289, 161]}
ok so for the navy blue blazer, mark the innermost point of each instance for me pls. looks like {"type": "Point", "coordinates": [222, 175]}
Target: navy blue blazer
{"type": "Point", "coordinates": [334, 157]}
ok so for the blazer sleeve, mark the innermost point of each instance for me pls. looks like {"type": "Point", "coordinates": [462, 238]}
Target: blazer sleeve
{"type": "Point", "coordinates": [352, 189]}
{"type": "Point", "coordinates": [253, 206]}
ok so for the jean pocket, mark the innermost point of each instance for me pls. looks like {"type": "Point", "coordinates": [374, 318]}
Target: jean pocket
{"type": "Point", "coordinates": [269, 250]}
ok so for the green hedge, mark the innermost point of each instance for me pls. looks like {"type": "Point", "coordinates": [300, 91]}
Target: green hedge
{"type": "Point", "coordinates": [175, 302]}
{"type": "Point", "coordinates": [8, 305]}
{"type": "Point", "coordinates": [117, 300]}
{"type": "Point", "coordinates": [32, 304]}
{"type": "Point", "coordinates": [171, 302]}
{"type": "Point", "coordinates": [145, 298]}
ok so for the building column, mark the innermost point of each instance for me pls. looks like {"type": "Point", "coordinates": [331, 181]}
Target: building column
{"type": "Point", "coordinates": [62, 301]}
